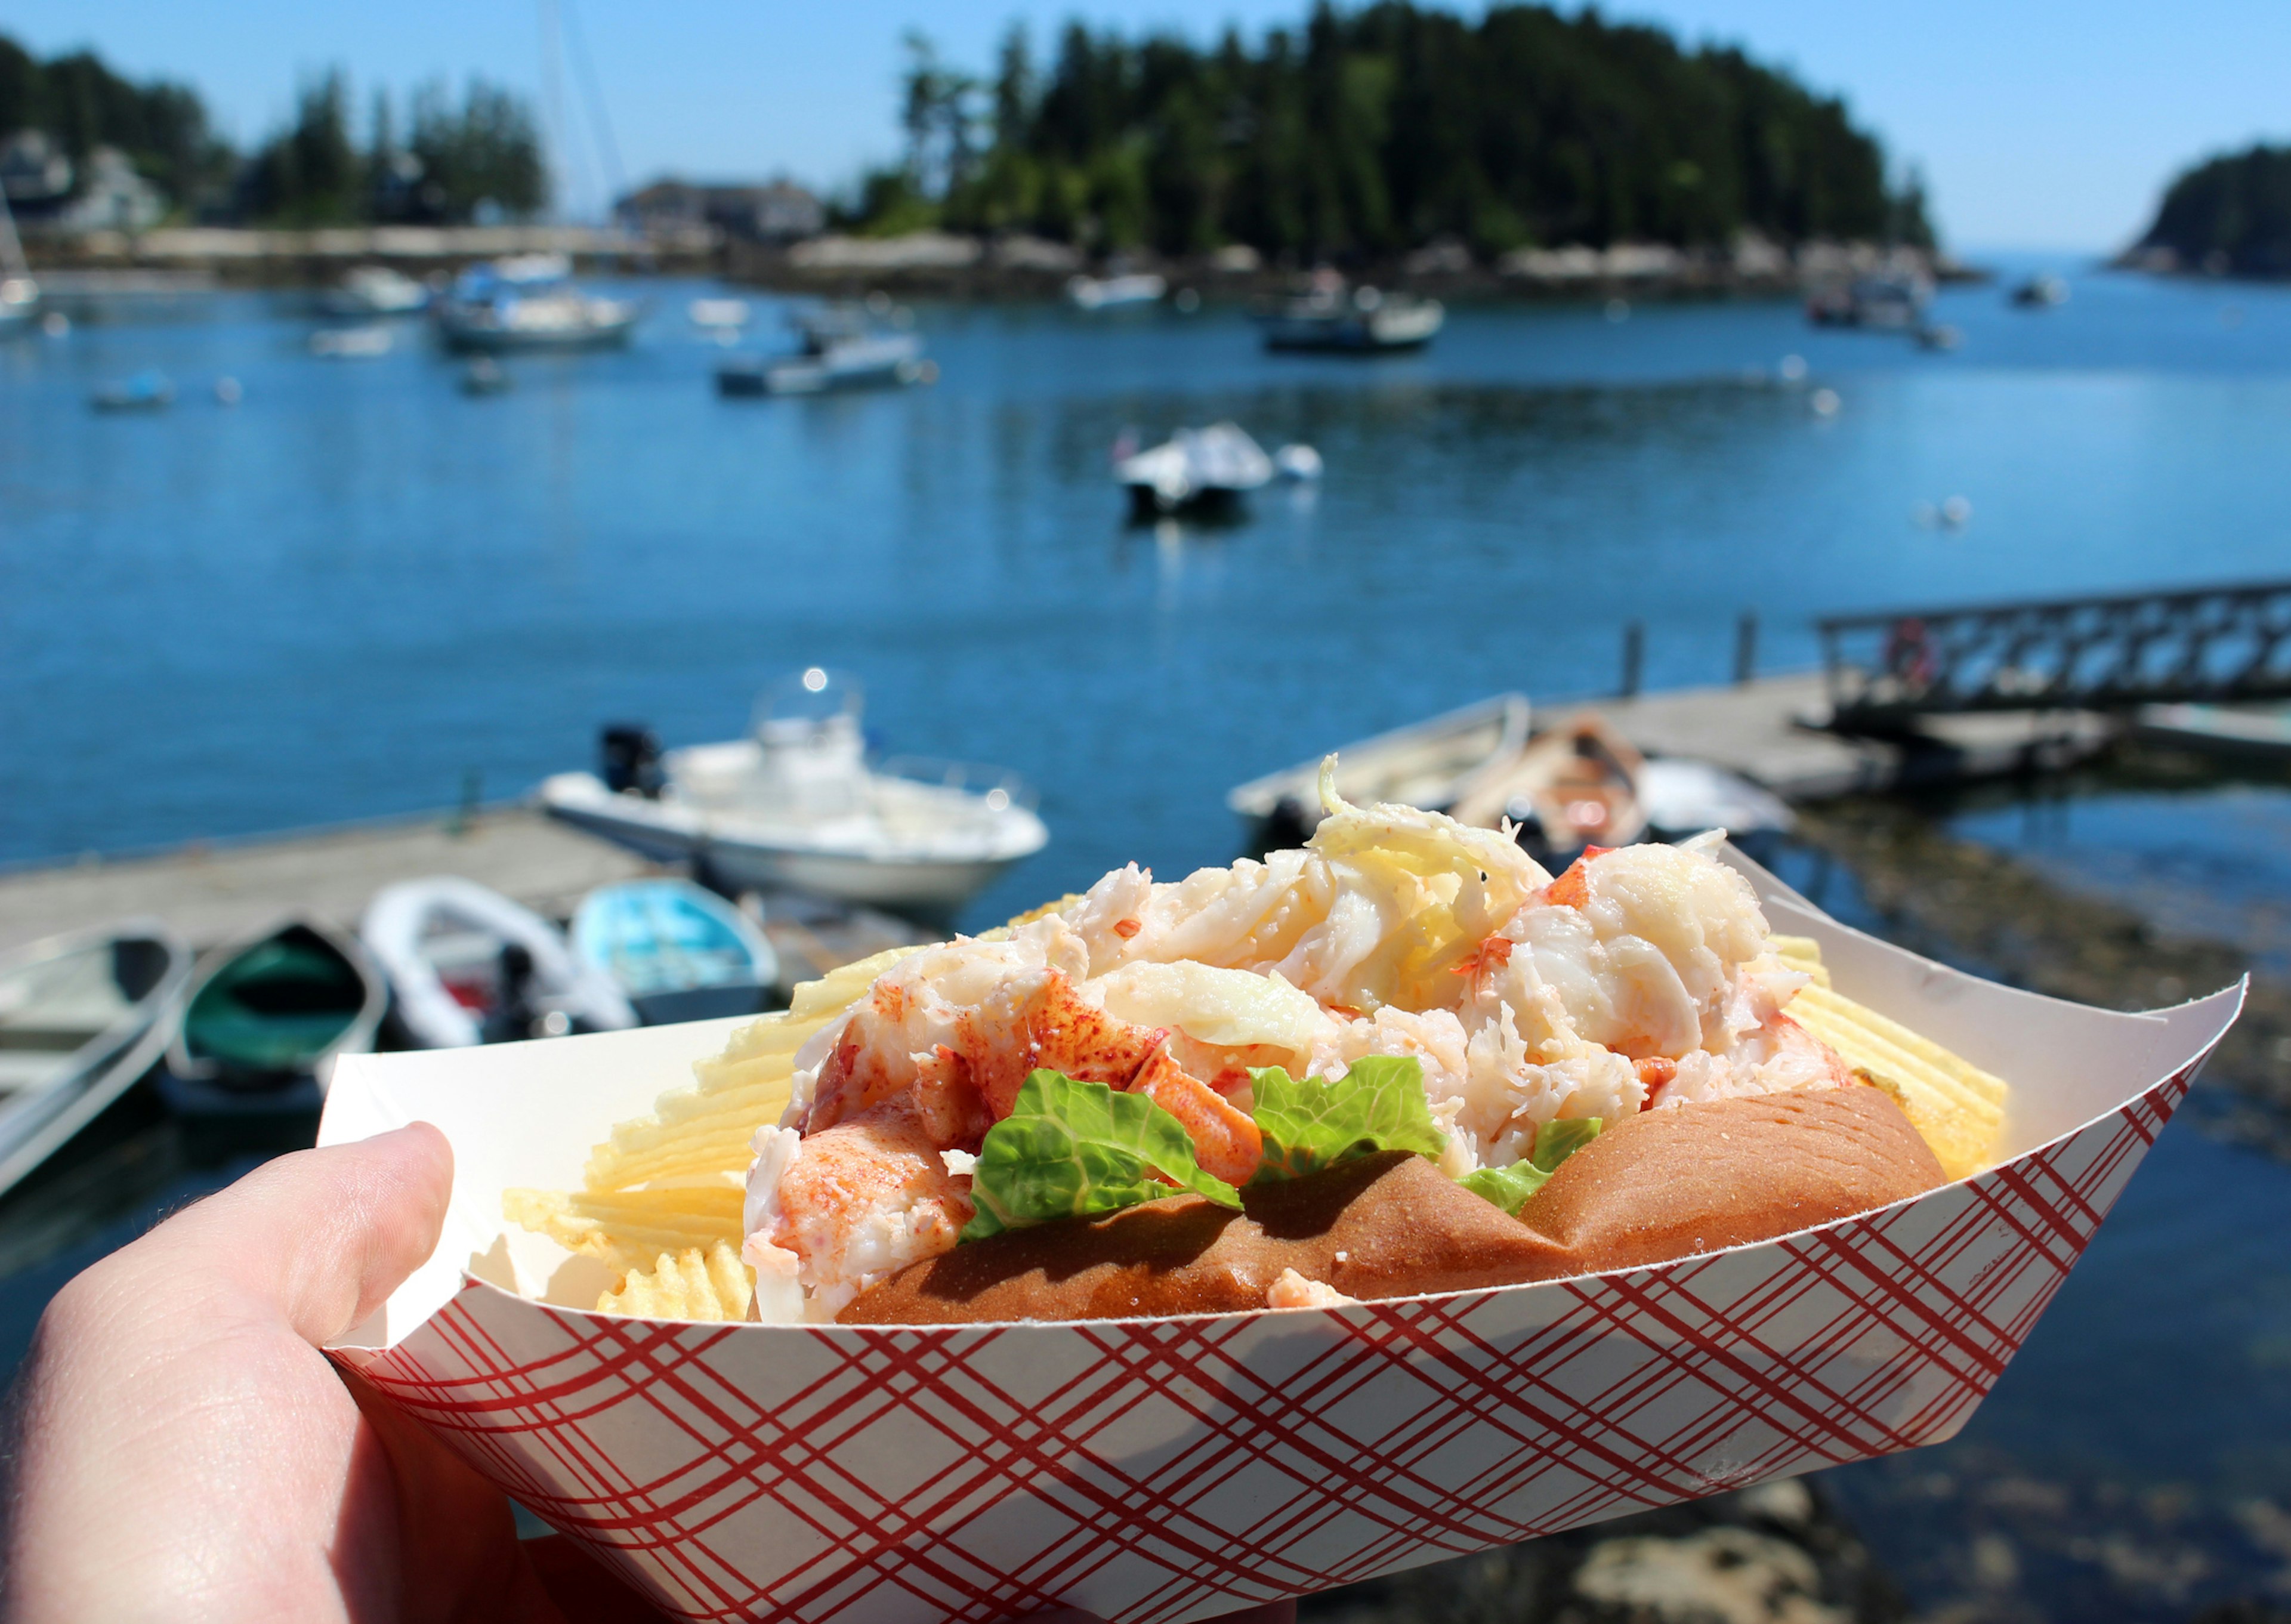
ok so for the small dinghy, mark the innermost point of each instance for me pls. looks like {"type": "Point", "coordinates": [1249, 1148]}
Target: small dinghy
{"type": "Point", "coordinates": [470, 965]}
{"type": "Point", "coordinates": [680, 953]}
{"type": "Point", "coordinates": [82, 1017]}
{"type": "Point", "coordinates": [272, 1010]}
{"type": "Point", "coordinates": [1427, 764]}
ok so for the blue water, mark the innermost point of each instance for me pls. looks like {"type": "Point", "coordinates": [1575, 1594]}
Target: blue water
{"type": "Point", "coordinates": [342, 596]}
{"type": "Point", "coordinates": [339, 597]}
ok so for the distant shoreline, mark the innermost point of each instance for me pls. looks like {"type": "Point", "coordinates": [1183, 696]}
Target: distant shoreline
{"type": "Point", "coordinates": [931, 264]}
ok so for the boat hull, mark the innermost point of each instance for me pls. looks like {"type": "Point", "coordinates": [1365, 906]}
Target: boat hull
{"type": "Point", "coordinates": [38, 1120]}
{"type": "Point", "coordinates": [464, 338]}
{"type": "Point", "coordinates": [928, 888]}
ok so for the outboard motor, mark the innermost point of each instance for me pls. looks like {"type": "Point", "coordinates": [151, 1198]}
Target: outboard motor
{"type": "Point", "coordinates": [630, 754]}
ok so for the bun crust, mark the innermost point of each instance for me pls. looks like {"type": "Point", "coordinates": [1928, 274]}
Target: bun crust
{"type": "Point", "coordinates": [1663, 1184]}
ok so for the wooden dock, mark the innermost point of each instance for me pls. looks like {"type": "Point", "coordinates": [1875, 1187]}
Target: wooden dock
{"type": "Point", "coordinates": [210, 892]}
{"type": "Point", "coordinates": [1768, 730]}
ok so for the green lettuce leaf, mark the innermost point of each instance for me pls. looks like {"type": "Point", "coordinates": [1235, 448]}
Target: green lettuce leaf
{"type": "Point", "coordinates": [1510, 1187]}
{"type": "Point", "coordinates": [1377, 1105]}
{"type": "Point", "coordinates": [1069, 1149]}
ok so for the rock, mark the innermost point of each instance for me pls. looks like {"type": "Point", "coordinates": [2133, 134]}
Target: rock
{"type": "Point", "coordinates": [1719, 1576]}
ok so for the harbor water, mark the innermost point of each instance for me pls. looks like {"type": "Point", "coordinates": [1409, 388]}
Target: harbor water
{"type": "Point", "coordinates": [355, 589]}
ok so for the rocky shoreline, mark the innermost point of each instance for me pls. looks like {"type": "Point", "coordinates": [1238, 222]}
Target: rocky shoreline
{"type": "Point", "coordinates": [1962, 902]}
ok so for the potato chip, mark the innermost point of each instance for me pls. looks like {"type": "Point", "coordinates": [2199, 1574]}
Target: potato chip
{"type": "Point", "coordinates": [632, 1227]}
{"type": "Point", "coordinates": [1956, 1108]}
{"type": "Point", "coordinates": [687, 1285]}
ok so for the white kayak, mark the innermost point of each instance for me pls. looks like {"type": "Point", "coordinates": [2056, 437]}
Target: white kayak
{"type": "Point", "coordinates": [467, 965]}
{"type": "Point", "coordinates": [82, 1017]}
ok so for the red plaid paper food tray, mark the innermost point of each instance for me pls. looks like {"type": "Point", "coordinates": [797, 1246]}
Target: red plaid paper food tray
{"type": "Point", "coordinates": [1162, 1470]}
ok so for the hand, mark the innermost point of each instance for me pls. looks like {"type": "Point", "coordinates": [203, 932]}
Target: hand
{"type": "Point", "coordinates": [181, 1448]}
{"type": "Point", "coordinates": [184, 1449]}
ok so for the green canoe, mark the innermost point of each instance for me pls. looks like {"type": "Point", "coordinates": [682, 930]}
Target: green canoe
{"type": "Point", "coordinates": [273, 1006]}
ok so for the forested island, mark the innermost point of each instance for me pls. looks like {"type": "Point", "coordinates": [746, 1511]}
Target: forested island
{"type": "Point", "coordinates": [2230, 215]}
{"type": "Point", "coordinates": [1370, 133]}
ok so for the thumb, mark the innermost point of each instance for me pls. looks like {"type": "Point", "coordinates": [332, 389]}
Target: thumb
{"type": "Point", "coordinates": [321, 1236]}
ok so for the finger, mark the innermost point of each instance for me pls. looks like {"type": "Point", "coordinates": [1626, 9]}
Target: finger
{"type": "Point", "coordinates": [321, 1237]}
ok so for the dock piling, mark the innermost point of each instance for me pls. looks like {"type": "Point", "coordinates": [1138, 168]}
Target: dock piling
{"type": "Point", "coordinates": [1746, 648]}
{"type": "Point", "coordinates": [1634, 658]}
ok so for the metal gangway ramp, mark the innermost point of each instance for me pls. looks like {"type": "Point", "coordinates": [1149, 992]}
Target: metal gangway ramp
{"type": "Point", "coordinates": [2210, 644]}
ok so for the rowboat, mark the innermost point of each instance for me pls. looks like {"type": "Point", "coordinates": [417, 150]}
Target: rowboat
{"type": "Point", "coordinates": [798, 806]}
{"type": "Point", "coordinates": [1429, 764]}
{"type": "Point", "coordinates": [466, 965]}
{"type": "Point", "coordinates": [678, 952]}
{"type": "Point", "coordinates": [82, 1017]}
{"type": "Point", "coordinates": [275, 1007]}
{"type": "Point", "coordinates": [1194, 468]}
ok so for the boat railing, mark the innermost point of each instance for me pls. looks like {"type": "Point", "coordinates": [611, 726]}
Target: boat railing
{"type": "Point", "coordinates": [998, 788]}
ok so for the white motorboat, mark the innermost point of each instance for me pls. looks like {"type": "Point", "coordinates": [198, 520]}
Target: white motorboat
{"type": "Point", "coordinates": [82, 1017]}
{"type": "Point", "coordinates": [529, 302]}
{"type": "Point", "coordinates": [1368, 321]}
{"type": "Point", "coordinates": [1113, 292]}
{"type": "Point", "coordinates": [468, 966]}
{"type": "Point", "coordinates": [375, 290]}
{"type": "Point", "coordinates": [1430, 764]}
{"type": "Point", "coordinates": [1193, 467]}
{"type": "Point", "coordinates": [797, 806]}
{"type": "Point", "coordinates": [841, 348]}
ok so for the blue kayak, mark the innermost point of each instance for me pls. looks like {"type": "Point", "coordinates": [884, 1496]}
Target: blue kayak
{"type": "Point", "coordinates": [680, 953]}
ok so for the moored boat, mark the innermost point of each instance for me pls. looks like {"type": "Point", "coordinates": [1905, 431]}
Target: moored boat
{"type": "Point", "coordinates": [1887, 303]}
{"type": "Point", "coordinates": [798, 806]}
{"type": "Point", "coordinates": [274, 1007]}
{"type": "Point", "coordinates": [1114, 292]}
{"type": "Point", "coordinates": [2248, 732]}
{"type": "Point", "coordinates": [148, 390]}
{"type": "Point", "coordinates": [839, 348]}
{"type": "Point", "coordinates": [1428, 764]}
{"type": "Point", "coordinates": [374, 290]}
{"type": "Point", "coordinates": [82, 1017]}
{"type": "Point", "coordinates": [676, 951]}
{"type": "Point", "coordinates": [2041, 292]}
{"type": "Point", "coordinates": [1366, 321]}
{"type": "Point", "coordinates": [368, 343]}
{"type": "Point", "coordinates": [466, 965]}
{"type": "Point", "coordinates": [1193, 467]}
{"type": "Point", "coordinates": [529, 302]}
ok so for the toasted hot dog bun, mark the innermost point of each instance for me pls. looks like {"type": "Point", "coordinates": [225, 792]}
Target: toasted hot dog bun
{"type": "Point", "coordinates": [1663, 1184]}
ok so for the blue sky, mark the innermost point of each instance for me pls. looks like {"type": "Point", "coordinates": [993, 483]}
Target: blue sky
{"type": "Point", "coordinates": [2046, 126]}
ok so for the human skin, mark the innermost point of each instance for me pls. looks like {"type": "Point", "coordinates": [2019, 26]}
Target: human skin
{"type": "Point", "coordinates": [180, 1448]}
